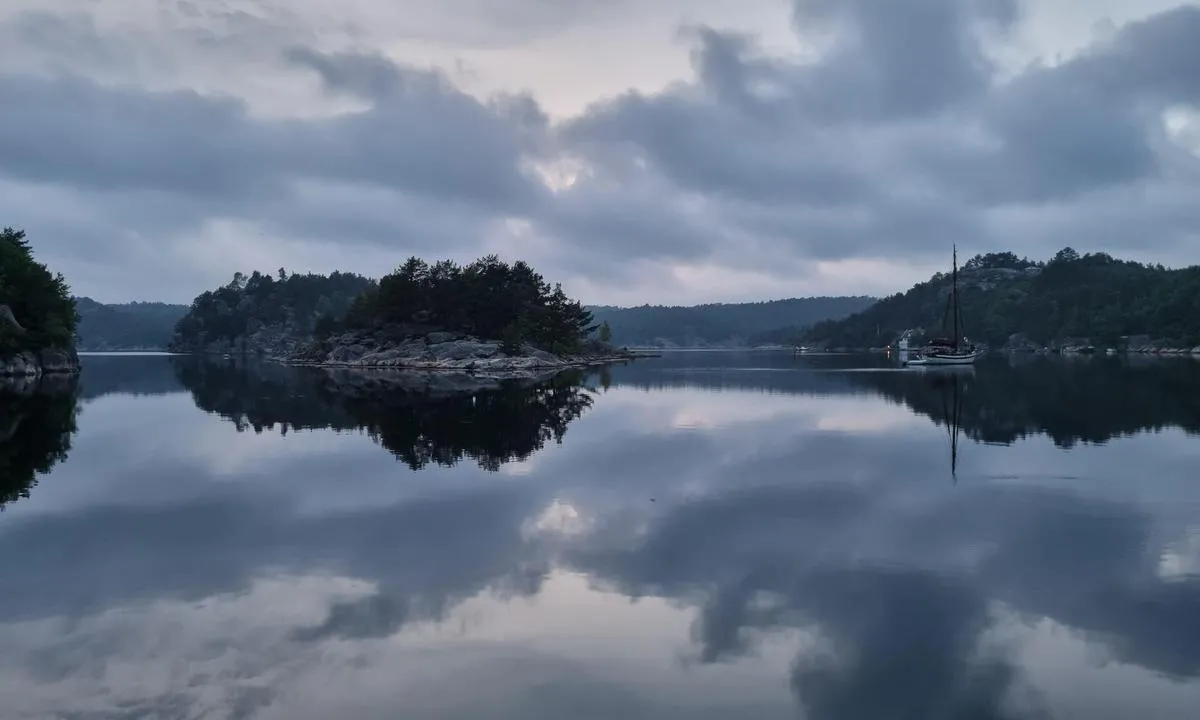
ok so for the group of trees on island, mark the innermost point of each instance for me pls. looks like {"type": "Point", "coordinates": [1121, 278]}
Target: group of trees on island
{"type": "Point", "coordinates": [1002, 296]}
{"type": "Point", "coordinates": [293, 303]}
{"type": "Point", "coordinates": [36, 307]}
{"type": "Point", "coordinates": [487, 298]}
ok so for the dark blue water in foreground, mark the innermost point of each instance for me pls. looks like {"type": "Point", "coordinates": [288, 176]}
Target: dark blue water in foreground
{"type": "Point", "coordinates": [704, 535]}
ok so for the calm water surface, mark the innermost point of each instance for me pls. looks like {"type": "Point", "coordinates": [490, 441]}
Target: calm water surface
{"type": "Point", "coordinates": [703, 535]}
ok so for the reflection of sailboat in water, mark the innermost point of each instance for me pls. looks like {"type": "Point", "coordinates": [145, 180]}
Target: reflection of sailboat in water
{"type": "Point", "coordinates": [951, 387]}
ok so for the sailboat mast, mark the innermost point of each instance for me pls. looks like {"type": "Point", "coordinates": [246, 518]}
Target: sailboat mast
{"type": "Point", "coordinates": [954, 297]}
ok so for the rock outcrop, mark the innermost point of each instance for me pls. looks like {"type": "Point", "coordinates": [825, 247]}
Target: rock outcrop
{"type": "Point", "coordinates": [43, 362]}
{"type": "Point", "coordinates": [28, 363]}
{"type": "Point", "coordinates": [445, 351]}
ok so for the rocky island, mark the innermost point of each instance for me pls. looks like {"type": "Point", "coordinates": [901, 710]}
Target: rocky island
{"type": "Point", "coordinates": [37, 314]}
{"type": "Point", "coordinates": [488, 319]}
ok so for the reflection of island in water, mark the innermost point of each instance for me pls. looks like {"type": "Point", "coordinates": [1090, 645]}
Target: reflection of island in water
{"type": "Point", "coordinates": [418, 422]}
{"type": "Point", "coordinates": [1004, 400]}
{"type": "Point", "coordinates": [37, 420]}
{"type": "Point", "coordinates": [134, 374]}
{"type": "Point", "coordinates": [1093, 400]}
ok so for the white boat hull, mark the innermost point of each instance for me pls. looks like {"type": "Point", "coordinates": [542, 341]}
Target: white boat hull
{"type": "Point", "coordinates": [949, 359]}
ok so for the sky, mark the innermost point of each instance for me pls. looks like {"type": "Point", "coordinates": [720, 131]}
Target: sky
{"type": "Point", "coordinates": [660, 151]}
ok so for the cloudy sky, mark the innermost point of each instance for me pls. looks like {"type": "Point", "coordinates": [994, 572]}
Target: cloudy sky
{"type": "Point", "coordinates": [671, 151]}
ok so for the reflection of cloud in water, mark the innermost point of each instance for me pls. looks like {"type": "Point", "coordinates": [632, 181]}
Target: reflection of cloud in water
{"type": "Point", "coordinates": [558, 518]}
{"type": "Point", "coordinates": [779, 562]}
{"type": "Point", "coordinates": [224, 655]}
{"type": "Point", "coordinates": [256, 654]}
{"type": "Point", "coordinates": [902, 591]}
{"type": "Point", "coordinates": [438, 549]}
{"type": "Point", "coordinates": [711, 409]}
{"type": "Point", "coordinates": [1072, 676]}
{"type": "Point", "coordinates": [1180, 560]}
{"type": "Point", "coordinates": [864, 416]}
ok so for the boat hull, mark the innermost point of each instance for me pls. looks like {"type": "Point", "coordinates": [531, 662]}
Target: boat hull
{"type": "Point", "coordinates": [950, 359]}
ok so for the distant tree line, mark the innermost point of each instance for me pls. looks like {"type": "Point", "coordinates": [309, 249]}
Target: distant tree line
{"type": "Point", "coordinates": [723, 324]}
{"type": "Point", "coordinates": [126, 326]}
{"type": "Point", "coordinates": [1092, 296]}
{"type": "Point", "coordinates": [293, 303]}
{"type": "Point", "coordinates": [37, 300]}
{"type": "Point", "coordinates": [487, 298]}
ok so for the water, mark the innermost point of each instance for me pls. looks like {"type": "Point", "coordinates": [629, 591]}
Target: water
{"type": "Point", "coordinates": [703, 535]}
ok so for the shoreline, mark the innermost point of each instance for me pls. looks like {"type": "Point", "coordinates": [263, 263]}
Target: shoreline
{"type": "Point", "coordinates": [39, 363]}
{"type": "Point", "coordinates": [481, 367]}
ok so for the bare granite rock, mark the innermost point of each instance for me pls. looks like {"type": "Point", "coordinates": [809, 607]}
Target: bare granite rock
{"type": "Point", "coordinates": [401, 348]}
{"type": "Point", "coordinates": [35, 364]}
{"type": "Point", "coordinates": [436, 338]}
{"type": "Point", "coordinates": [6, 315]}
{"type": "Point", "coordinates": [463, 350]}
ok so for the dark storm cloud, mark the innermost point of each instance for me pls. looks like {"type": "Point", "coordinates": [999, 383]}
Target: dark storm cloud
{"type": "Point", "coordinates": [905, 128]}
{"type": "Point", "coordinates": [892, 60]}
{"type": "Point", "coordinates": [120, 174]}
{"type": "Point", "coordinates": [72, 131]}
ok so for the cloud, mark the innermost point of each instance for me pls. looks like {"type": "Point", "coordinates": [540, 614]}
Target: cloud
{"type": "Point", "coordinates": [874, 149]}
{"type": "Point", "coordinates": [881, 136]}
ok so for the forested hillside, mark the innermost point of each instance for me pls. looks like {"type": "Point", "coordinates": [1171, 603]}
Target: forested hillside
{"type": "Point", "coordinates": [723, 324]}
{"type": "Point", "coordinates": [1013, 301]}
{"type": "Point", "coordinates": [265, 314]}
{"type": "Point", "coordinates": [126, 326]}
{"type": "Point", "coordinates": [36, 308]}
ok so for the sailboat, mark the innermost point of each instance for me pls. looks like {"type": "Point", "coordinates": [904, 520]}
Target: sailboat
{"type": "Point", "coordinates": [952, 350]}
